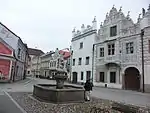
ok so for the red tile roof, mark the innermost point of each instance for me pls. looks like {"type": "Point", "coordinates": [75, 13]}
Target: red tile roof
{"type": "Point", "coordinates": [65, 53]}
{"type": "Point", "coordinates": [35, 52]}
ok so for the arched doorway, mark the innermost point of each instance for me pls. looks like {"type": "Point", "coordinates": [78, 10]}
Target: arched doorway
{"type": "Point", "coordinates": [132, 79]}
{"type": "Point", "coordinates": [75, 77]}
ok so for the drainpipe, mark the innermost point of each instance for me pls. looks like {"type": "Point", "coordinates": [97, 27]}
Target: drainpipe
{"type": "Point", "coordinates": [142, 34]}
{"type": "Point", "coordinates": [71, 64]}
{"type": "Point", "coordinates": [93, 60]}
{"type": "Point", "coordinates": [37, 66]}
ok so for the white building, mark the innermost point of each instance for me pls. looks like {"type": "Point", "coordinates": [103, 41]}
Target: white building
{"type": "Point", "coordinates": [82, 47]}
{"type": "Point", "coordinates": [117, 52]}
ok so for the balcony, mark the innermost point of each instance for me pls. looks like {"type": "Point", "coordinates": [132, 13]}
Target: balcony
{"type": "Point", "coordinates": [109, 59]}
{"type": "Point", "coordinates": [113, 59]}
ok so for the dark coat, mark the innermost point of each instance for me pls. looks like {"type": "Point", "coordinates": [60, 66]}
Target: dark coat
{"type": "Point", "coordinates": [88, 86]}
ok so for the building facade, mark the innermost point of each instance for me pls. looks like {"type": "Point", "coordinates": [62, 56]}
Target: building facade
{"type": "Point", "coordinates": [82, 47]}
{"type": "Point", "coordinates": [118, 53]}
{"type": "Point", "coordinates": [45, 64]}
{"type": "Point", "coordinates": [33, 61]}
{"type": "Point", "coordinates": [20, 52]}
{"type": "Point", "coordinates": [52, 61]}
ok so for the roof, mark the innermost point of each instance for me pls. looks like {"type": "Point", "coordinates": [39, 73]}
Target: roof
{"type": "Point", "coordinates": [35, 52]}
{"type": "Point", "coordinates": [48, 53]}
{"type": "Point", "coordinates": [65, 53]}
{"type": "Point", "coordinates": [13, 33]}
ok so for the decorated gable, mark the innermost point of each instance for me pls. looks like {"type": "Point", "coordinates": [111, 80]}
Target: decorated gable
{"type": "Point", "coordinates": [4, 49]}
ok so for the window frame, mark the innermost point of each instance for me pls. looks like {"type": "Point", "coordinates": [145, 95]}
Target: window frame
{"type": "Point", "coordinates": [19, 53]}
{"type": "Point", "coordinates": [80, 61]}
{"type": "Point", "coordinates": [81, 45]}
{"type": "Point", "coordinates": [129, 47]}
{"type": "Point", "coordinates": [112, 79]}
{"type": "Point", "coordinates": [100, 74]}
{"type": "Point", "coordinates": [82, 75]}
{"type": "Point", "coordinates": [73, 62]}
{"type": "Point", "coordinates": [111, 49]}
{"type": "Point", "coordinates": [113, 31]}
{"type": "Point", "coordinates": [87, 60]}
{"type": "Point", "coordinates": [101, 52]}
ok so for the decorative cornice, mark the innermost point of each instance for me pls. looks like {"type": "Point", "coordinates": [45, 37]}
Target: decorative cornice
{"type": "Point", "coordinates": [84, 35]}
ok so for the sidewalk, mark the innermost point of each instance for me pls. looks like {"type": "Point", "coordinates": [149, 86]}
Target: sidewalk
{"type": "Point", "coordinates": [125, 96]}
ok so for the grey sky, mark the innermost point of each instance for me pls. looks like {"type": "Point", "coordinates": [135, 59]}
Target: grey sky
{"type": "Point", "coordinates": [47, 24]}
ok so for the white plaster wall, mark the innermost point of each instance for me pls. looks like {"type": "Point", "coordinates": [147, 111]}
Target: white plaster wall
{"type": "Point", "coordinates": [86, 51]}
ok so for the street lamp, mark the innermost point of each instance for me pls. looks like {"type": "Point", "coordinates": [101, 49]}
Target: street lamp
{"type": "Point", "coordinates": [142, 34]}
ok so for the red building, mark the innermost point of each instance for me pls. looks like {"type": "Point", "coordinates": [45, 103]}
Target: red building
{"type": "Point", "coordinates": [7, 62]}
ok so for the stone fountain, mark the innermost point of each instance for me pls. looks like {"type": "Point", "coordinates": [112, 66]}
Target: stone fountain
{"type": "Point", "coordinates": [59, 92]}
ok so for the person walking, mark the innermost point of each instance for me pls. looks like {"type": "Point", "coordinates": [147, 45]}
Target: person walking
{"type": "Point", "coordinates": [88, 87]}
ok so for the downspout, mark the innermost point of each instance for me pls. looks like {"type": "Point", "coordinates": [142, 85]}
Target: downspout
{"type": "Point", "coordinates": [71, 65]}
{"type": "Point", "coordinates": [93, 61]}
{"type": "Point", "coordinates": [142, 34]}
{"type": "Point", "coordinates": [37, 66]}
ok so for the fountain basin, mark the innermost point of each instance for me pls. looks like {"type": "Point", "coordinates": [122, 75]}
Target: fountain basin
{"type": "Point", "coordinates": [49, 93]}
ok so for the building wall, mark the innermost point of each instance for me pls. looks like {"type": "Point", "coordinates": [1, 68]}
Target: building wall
{"type": "Point", "coordinates": [20, 50]}
{"type": "Point", "coordinates": [127, 31]}
{"type": "Point", "coordinates": [87, 36]}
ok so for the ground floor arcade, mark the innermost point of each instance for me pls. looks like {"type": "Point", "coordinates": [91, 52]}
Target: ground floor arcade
{"type": "Point", "coordinates": [114, 76]}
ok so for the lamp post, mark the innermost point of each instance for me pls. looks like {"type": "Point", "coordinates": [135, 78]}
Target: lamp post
{"type": "Point", "coordinates": [142, 34]}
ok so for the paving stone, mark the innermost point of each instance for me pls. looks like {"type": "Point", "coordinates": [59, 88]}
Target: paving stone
{"type": "Point", "coordinates": [32, 105]}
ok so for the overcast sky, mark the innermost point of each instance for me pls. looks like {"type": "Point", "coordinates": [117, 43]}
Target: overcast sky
{"type": "Point", "coordinates": [47, 24]}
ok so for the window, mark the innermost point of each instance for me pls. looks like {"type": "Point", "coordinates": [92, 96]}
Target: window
{"type": "Point", "coordinates": [111, 49]}
{"type": "Point", "coordinates": [87, 61]}
{"type": "Point", "coordinates": [113, 31]}
{"type": "Point", "coordinates": [81, 45]}
{"type": "Point", "coordinates": [88, 75]}
{"type": "Point", "coordinates": [112, 77]}
{"type": "Point", "coordinates": [149, 45]}
{"type": "Point", "coordinates": [129, 48]}
{"type": "Point", "coordinates": [80, 61]}
{"type": "Point", "coordinates": [101, 52]}
{"type": "Point", "coordinates": [55, 63]}
{"type": "Point", "coordinates": [81, 75]}
{"type": "Point", "coordinates": [19, 52]}
{"type": "Point", "coordinates": [101, 79]}
{"type": "Point", "coordinates": [28, 72]}
{"type": "Point", "coordinates": [73, 62]}
{"type": "Point", "coordinates": [50, 64]}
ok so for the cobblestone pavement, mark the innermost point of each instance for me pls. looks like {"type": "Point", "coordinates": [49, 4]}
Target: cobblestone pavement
{"type": "Point", "coordinates": [32, 105]}
{"type": "Point", "coordinates": [129, 97]}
